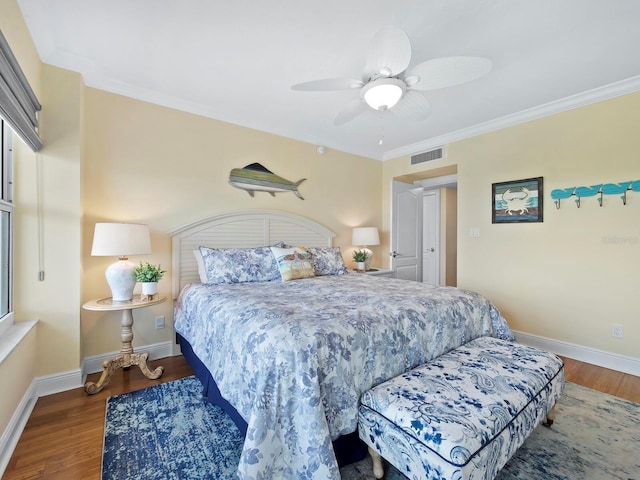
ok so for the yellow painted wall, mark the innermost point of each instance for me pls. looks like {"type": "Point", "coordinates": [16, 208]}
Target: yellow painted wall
{"type": "Point", "coordinates": [572, 276]}
{"type": "Point", "coordinates": [55, 301]}
{"type": "Point", "coordinates": [151, 164]}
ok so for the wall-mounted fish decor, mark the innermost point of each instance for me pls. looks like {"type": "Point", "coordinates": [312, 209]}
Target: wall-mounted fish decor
{"type": "Point", "coordinates": [256, 178]}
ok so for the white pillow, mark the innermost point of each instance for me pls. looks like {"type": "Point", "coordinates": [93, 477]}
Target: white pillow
{"type": "Point", "coordinates": [202, 273]}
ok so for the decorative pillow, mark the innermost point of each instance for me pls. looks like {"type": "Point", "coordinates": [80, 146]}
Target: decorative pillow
{"type": "Point", "coordinates": [239, 265]}
{"type": "Point", "coordinates": [293, 262]}
{"type": "Point", "coordinates": [327, 261]}
{"type": "Point", "coordinates": [202, 273]}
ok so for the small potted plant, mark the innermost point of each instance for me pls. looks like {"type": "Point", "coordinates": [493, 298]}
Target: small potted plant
{"type": "Point", "coordinates": [360, 256]}
{"type": "Point", "coordinates": [149, 275]}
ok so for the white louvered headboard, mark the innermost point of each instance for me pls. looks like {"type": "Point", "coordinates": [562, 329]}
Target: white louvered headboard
{"type": "Point", "coordinates": [241, 229]}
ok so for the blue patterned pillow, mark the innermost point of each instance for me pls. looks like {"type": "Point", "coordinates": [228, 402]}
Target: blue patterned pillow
{"type": "Point", "coordinates": [327, 261]}
{"type": "Point", "coordinates": [239, 265]}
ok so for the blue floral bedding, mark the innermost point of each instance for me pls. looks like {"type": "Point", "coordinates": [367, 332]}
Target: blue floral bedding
{"type": "Point", "coordinates": [294, 358]}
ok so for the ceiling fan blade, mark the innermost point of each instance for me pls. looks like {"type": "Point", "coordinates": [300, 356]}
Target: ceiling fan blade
{"type": "Point", "coordinates": [446, 72]}
{"type": "Point", "coordinates": [389, 52]}
{"type": "Point", "coordinates": [413, 106]}
{"type": "Point", "coordinates": [328, 84]}
{"type": "Point", "coordinates": [350, 111]}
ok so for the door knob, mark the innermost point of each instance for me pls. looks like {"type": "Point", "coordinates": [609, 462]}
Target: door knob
{"type": "Point", "coordinates": [431, 249]}
{"type": "Point", "coordinates": [393, 254]}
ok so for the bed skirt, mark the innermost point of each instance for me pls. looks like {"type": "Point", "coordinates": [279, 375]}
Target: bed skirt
{"type": "Point", "coordinates": [348, 448]}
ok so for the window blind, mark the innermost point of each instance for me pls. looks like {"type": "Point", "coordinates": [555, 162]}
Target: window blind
{"type": "Point", "coordinates": [18, 103]}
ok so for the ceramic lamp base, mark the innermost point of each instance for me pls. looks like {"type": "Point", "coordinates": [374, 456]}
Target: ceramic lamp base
{"type": "Point", "coordinates": [121, 280]}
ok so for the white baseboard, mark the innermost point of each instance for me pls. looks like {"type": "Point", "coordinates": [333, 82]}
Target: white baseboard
{"type": "Point", "coordinates": [39, 387]}
{"type": "Point", "coordinates": [58, 382]}
{"type": "Point", "coordinates": [94, 363]}
{"type": "Point", "coordinates": [593, 356]}
{"type": "Point", "coordinates": [11, 434]}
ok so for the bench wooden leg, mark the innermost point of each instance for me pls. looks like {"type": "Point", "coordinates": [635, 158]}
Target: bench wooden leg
{"type": "Point", "coordinates": [378, 471]}
{"type": "Point", "coordinates": [551, 416]}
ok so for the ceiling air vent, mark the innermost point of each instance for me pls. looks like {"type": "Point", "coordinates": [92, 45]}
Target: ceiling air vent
{"type": "Point", "coordinates": [435, 154]}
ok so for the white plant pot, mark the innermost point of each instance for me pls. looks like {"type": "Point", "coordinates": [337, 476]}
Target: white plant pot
{"type": "Point", "coordinates": [149, 288]}
{"type": "Point", "coordinates": [361, 266]}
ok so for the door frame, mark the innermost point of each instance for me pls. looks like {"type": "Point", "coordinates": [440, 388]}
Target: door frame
{"type": "Point", "coordinates": [433, 183]}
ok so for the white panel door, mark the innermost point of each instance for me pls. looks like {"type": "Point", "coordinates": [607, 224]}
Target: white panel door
{"type": "Point", "coordinates": [431, 237]}
{"type": "Point", "coordinates": [406, 231]}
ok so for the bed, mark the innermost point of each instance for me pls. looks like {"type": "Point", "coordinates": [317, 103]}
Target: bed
{"type": "Point", "coordinates": [289, 360]}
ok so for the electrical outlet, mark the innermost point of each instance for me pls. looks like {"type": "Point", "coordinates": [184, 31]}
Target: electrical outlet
{"type": "Point", "coordinates": [160, 322]}
{"type": "Point", "coordinates": [617, 331]}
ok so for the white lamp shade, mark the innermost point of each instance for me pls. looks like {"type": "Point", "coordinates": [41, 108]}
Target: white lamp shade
{"type": "Point", "coordinates": [365, 236]}
{"type": "Point", "coordinates": [120, 240]}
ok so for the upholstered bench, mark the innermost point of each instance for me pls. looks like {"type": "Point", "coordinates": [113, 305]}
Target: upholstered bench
{"type": "Point", "coordinates": [464, 414]}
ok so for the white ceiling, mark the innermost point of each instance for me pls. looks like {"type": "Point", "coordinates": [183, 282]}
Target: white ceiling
{"type": "Point", "coordinates": [236, 60]}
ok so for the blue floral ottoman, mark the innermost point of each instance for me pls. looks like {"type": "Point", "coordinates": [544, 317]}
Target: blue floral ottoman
{"type": "Point", "coordinates": [464, 414]}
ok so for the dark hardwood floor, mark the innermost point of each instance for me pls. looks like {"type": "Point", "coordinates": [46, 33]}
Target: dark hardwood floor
{"type": "Point", "coordinates": [63, 437]}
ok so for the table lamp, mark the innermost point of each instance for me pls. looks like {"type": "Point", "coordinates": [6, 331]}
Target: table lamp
{"type": "Point", "coordinates": [364, 237]}
{"type": "Point", "coordinates": [121, 240]}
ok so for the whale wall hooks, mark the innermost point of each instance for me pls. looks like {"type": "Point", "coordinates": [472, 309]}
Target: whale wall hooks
{"type": "Point", "coordinates": [597, 191]}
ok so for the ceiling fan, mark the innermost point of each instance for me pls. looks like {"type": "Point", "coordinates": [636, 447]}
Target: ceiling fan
{"type": "Point", "coordinates": [387, 84]}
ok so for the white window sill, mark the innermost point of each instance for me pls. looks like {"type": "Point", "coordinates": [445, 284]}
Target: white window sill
{"type": "Point", "coordinates": [6, 322]}
{"type": "Point", "coordinates": [12, 335]}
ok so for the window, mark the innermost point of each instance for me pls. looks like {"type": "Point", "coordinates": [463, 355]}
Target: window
{"type": "Point", "coordinates": [6, 220]}
{"type": "Point", "coordinates": [18, 113]}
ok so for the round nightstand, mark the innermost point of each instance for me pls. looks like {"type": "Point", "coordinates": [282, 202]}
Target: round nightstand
{"type": "Point", "coordinates": [127, 357]}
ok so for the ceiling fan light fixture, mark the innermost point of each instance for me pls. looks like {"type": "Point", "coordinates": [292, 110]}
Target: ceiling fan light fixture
{"type": "Point", "coordinates": [383, 93]}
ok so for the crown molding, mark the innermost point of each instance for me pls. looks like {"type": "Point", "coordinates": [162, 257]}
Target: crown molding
{"type": "Point", "coordinates": [589, 97]}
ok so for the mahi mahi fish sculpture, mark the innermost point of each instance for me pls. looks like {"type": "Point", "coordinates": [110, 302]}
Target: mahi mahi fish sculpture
{"type": "Point", "coordinates": [256, 178]}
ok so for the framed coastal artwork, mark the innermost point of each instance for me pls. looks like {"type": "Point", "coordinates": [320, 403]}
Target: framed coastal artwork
{"type": "Point", "coordinates": [517, 201]}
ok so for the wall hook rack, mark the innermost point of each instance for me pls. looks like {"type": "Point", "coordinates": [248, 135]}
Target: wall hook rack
{"type": "Point", "coordinates": [620, 188]}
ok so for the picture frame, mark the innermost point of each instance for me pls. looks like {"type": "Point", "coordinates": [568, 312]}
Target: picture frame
{"type": "Point", "coordinates": [517, 201]}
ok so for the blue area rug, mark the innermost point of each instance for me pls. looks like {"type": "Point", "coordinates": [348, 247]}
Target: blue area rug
{"type": "Point", "coordinates": [169, 432]}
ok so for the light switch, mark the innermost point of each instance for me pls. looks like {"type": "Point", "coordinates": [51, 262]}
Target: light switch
{"type": "Point", "coordinates": [474, 232]}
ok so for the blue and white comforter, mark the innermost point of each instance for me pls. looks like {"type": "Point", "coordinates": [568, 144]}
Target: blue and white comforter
{"type": "Point", "coordinates": [294, 358]}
